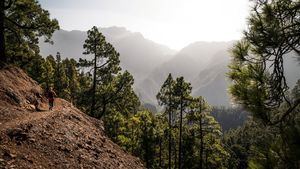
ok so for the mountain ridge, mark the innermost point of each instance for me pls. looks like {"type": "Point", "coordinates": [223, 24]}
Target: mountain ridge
{"type": "Point", "coordinates": [203, 64]}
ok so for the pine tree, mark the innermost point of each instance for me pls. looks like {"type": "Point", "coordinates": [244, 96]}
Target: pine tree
{"type": "Point", "coordinates": [83, 95]}
{"type": "Point", "coordinates": [51, 59]}
{"type": "Point", "coordinates": [23, 22]}
{"type": "Point", "coordinates": [162, 134]}
{"type": "Point", "coordinates": [122, 96]}
{"type": "Point", "coordinates": [105, 63]}
{"type": "Point", "coordinates": [60, 78]}
{"type": "Point", "coordinates": [48, 74]}
{"type": "Point", "coordinates": [259, 82]}
{"type": "Point", "coordinates": [196, 116]}
{"type": "Point", "coordinates": [257, 68]}
{"type": "Point", "coordinates": [182, 91]}
{"type": "Point", "coordinates": [144, 135]}
{"type": "Point", "coordinates": [165, 97]}
{"type": "Point", "coordinates": [35, 68]}
{"type": "Point", "coordinates": [207, 133]}
{"type": "Point", "coordinates": [72, 76]}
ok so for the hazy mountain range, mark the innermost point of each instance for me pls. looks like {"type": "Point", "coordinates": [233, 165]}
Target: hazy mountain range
{"type": "Point", "coordinates": [204, 64]}
{"type": "Point", "coordinates": [137, 54]}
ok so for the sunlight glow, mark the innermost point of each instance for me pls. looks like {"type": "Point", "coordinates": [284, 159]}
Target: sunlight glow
{"type": "Point", "coordinates": [175, 23]}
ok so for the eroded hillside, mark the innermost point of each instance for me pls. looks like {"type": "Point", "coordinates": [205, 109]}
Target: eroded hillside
{"type": "Point", "coordinates": [33, 137]}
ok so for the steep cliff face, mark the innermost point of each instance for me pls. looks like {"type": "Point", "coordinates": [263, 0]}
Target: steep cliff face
{"type": "Point", "coordinates": [33, 137]}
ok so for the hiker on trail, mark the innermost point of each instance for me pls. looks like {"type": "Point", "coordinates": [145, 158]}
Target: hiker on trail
{"type": "Point", "coordinates": [51, 94]}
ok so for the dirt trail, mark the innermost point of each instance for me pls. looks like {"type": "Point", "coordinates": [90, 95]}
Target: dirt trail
{"type": "Point", "coordinates": [28, 117]}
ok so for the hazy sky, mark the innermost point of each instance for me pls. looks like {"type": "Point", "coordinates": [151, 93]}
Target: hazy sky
{"type": "Point", "coordinates": [175, 23]}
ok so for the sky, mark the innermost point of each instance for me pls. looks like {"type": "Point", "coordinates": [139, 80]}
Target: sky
{"type": "Point", "coordinates": [175, 23]}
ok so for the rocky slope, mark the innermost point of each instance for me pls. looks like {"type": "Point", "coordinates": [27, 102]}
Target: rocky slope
{"type": "Point", "coordinates": [33, 137]}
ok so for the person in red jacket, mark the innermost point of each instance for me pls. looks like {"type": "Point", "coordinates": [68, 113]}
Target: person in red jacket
{"type": "Point", "coordinates": [51, 95]}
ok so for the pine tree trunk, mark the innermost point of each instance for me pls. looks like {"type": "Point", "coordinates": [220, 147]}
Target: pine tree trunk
{"type": "Point", "coordinates": [3, 59]}
{"type": "Point", "coordinates": [170, 130]}
{"type": "Point", "coordinates": [94, 88]}
{"type": "Point", "coordinates": [180, 134]}
{"type": "Point", "coordinates": [170, 139]}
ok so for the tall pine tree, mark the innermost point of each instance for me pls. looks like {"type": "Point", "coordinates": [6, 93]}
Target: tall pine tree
{"type": "Point", "coordinates": [166, 98]}
{"type": "Point", "coordinates": [105, 62]}
{"type": "Point", "coordinates": [182, 91]}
